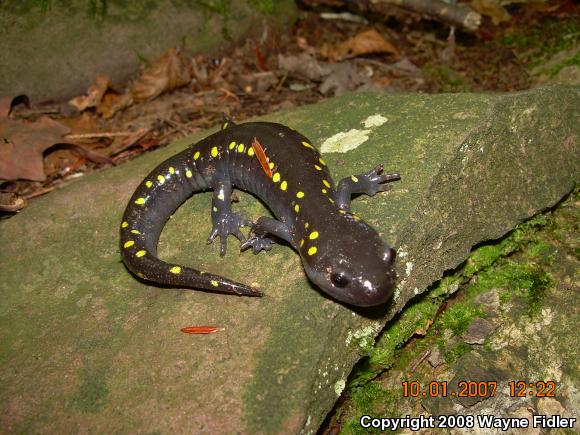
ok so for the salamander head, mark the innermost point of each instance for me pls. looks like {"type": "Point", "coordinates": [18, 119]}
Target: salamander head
{"type": "Point", "coordinates": [351, 263]}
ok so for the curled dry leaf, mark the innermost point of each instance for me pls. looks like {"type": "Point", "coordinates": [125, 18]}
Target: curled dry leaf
{"type": "Point", "coordinates": [112, 103]}
{"type": "Point", "coordinates": [11, 202]}
{"type": "Point", "coordinates": [369, 41]}
{"type": "Point", "coordinates": [94, 94]}
{"type": "Point", "coordinates": [22, 145]}
{"type": "Point", "coordinates": [168, 72]}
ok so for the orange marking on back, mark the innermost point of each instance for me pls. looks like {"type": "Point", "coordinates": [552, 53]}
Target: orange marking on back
{"type": "Point", "coordinates": [261, 155]}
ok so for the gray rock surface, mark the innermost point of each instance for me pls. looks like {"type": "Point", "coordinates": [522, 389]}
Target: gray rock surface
{"type": "Point", "coordinates": [58, 52]}
{"type": "Point", "coordinates": [86, 347]}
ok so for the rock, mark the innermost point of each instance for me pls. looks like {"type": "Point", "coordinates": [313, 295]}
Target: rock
{"type": "Point", "coordinates": [57, 53]}
{"type": "Point", "coordinates": [86, 346]}
{"type": "Point", "coordinates": [477, 331]}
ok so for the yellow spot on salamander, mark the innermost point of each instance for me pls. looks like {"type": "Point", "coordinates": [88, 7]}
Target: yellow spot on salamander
{"type": "Point", "coordinates": [322, 162]}
{"type": "Point", "coordinates": [232, 145]}
{"type": "Point", "coordinates": [284, 185]}
{"type": "Point", "coordinates": [341, 211]}
{"type": "Point", "coordinates": [141, 253]}
{"type": "Point", "coordinates": [353, 178]}
{"type": "Point", "coordinates": [171, 170]}
{"type": "Point", "coordinates": [196, 155]}
{"type": "Point", "coordinates": [299, 194]}
{"type": "Point", "coordinates": [250, 151]}
{"type": "Point", "coordinates": [306, 225]}
{"type": "Point", "coordinates": [324, 191]}
{"type": "Point", "coordinates": [220, 195]}
{"type": "Point", "coordinates": [296, 208]}
{"type": "Point", "coordinates": [301, 243]}
{"type": "Point", "coordinates": [161, 179]}
{"type": "Point", "coordinates": [140, 201]}
{"type": "Point", "coordinates": [214, 283]}
{"type": "Point", "coordinates": [214, 152]}
{"type": "Point", "coordinates": [188, 174]}
{"type": "Point", "coordinates": [312, 250]}
{"type": "Point", "coordinates": [276, 177]}
{"type": "Point", "coordinates": [318, 168]}
{"type": "Point", "coordinates": [125, 224]}
{"type": "Point", "coordinates": [241, 148]}
{"type": "Point", "coordinates": [175, 270]}
{"type": "Point", "coordinates": [148, 183]}
{"type": "Point", "coordinates": [313, 235]}
{"type": "Point", "coordinates": [326, 183]}
{"type": "Point", "coordinates": [331, 200]}
{"type": "Point", "coordinates": [128, 244]}
{"type": "Point", "coordinates": [271, 165]}
{"type": "Point", "coordinates": [135, 231]}
{"type": "Point", "coordinates": [307, 145]}
{"type": "Point", "coordinates": [225, 126]}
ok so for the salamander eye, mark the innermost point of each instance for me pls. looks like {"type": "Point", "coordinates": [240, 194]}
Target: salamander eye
{"type": "Point", "coordinates": [339, 280]}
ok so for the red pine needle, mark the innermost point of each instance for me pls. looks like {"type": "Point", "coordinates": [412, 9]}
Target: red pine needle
{"type": "Point", "coordinates": [201, 329]}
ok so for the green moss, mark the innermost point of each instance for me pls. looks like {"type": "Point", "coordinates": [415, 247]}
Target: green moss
{"type": "Point", "coordinates": [458, 317]}
{"type": "Point", "coordinates": [456, 352]}
{"type": "Point", "coordinates": [263, 6]}
{"type": "Point", "coordinates": [447, 78]}
{"type": "Point", "coordinates": [414, 320]}
{"type": "Point", "coordinates": [543, 40]}
{"type": "Point", "coordinates": [221, 8]}
{"type": "Point", "coordinates": [373, 399]}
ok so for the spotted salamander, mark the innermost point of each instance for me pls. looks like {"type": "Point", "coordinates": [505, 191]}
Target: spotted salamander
{"type": "Point", "coordinates": [341, 254]}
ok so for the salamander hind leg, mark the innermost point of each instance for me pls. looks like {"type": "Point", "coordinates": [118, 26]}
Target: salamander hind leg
{"type": "Point", "coordinates": [370, 183]}
{"type": "Point", "coordinates": [260, 231]}
{"type": "Point", "coordinates": [224, 220]}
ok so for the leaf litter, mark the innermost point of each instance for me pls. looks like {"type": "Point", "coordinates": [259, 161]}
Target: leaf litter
{"type": "Point", "coordinates": [326, 54]}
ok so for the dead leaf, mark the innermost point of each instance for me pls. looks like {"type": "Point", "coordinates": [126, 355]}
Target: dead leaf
{"type": "Point", "coordinates": [168, 72]}
{"type": "Point", "coordinates": [343, 78]}
{"type": "Point", "coordinates": [7, 104]}
{"type": "Point", "coordinates": [93, 96]}
{"type": "Point", "coordinates": [112, 103]}
{"type": "Point", "coordinates": [303, 65]}
{"type": "Point", "coordinates": [11, 202]}
{"type": "Point", "coordinates": [22, 145]}
{"type": "Point", "coordinates": [369, 41]}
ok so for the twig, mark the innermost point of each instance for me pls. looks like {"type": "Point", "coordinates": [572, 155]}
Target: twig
{"type": "Point", "coordinates": [460, 16]}
{"type": "Point", "coordinates": [38, 193]}
{"type": "Point", "coordinates": [423, 357]}
{"type": "Point", "coordinates": [98, 135]}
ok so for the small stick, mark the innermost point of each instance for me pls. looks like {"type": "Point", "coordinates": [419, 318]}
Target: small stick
{"type": "Point", "coordinates": [98, 135]}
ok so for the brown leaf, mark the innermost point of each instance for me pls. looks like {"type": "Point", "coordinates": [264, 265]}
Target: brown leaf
{"type": "Point", "coordinates": [168, 72]}
{"type": "Point", "coordinates": [112, 103]}
{"type": "Point", "coordinates": [369, 41]}
{"type": "Point", "coordinates": [94, 94]}
{"type": "Point", "coordinates": [303, 65]}
{"type": "Point", "coordinates": [22, 144]}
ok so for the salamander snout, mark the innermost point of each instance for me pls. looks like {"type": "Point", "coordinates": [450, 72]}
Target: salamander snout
{"type": "Point", "coordinates": [365, 279]}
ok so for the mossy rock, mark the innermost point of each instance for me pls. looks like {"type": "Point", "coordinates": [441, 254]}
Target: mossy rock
{"type": "Point", "coordinates": [85, 346]}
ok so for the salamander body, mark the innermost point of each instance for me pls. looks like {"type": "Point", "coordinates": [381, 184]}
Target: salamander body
{"type": "Point", "coordinates": [341, 254]}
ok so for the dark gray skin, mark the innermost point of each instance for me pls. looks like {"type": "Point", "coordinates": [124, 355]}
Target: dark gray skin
{"type": "Point", "coordinates": [341, 254]}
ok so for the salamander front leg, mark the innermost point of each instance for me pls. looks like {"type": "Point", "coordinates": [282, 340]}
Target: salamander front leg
{"type": "Point", "coordinates": [264, 226]}
{"type": "Point", "coordinates": [370, 182]}
{"type": "Point", "coordinates": [225, 221]}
